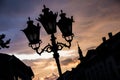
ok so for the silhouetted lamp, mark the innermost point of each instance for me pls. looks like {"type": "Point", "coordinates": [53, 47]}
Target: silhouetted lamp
{"type": "Point", "coordinates": [65, 26]}
{"type": "Point", "coordinates": [48, 21]}
{"type": "Point", "coordinates": [32, 33]}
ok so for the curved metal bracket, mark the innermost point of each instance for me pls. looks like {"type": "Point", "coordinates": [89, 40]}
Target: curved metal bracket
{"type": "Point", "coordinates": [61, 45]}
{"type": "Point", "coordinates": [46, 48]}
{"type": "Point", "coordinates": [50, 48]}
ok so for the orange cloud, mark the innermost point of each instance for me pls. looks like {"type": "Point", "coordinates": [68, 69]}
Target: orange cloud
{"type": "Point", "coordinates": [93, 20]}
{"type": "Point", "coordinates": [43, 68]}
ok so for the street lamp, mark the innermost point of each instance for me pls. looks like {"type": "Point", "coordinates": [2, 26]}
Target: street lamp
{"type": "Point", "coordinates": [65, 26]}
{"type": "Point", "coordinates": [32, 32]}
{"type": "Point", "coordinates": [48, 21]}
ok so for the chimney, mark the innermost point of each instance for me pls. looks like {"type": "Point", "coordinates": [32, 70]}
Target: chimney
{"type": "Point", "coordinates": [104, 39]}
{"type": "Point", "coordinates": [110, 35]}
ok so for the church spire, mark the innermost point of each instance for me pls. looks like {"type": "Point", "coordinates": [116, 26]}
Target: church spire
{"type": "Point", "coordinates": [80, 53]}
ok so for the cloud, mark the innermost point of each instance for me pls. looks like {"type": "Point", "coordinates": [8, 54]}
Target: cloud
{"type": "Point", "coordinates": [92, 47]}
{"type": "Point", "coordinates": [46, 69]}
{"type": "Point", "coordinates": [16, 7]}
{"type": "Point", "coordinates": [51, 77]}
{"type": "Point", "coordinates": [14, 13]}
{"type": "Point", "coordinates": [89, 28]}
{"type": "Point", "coordinates": [91, 18]}
{"type": "Point", "coordinates": [66, 61]}
{"type": "Point", "coordinates": [43, 68]}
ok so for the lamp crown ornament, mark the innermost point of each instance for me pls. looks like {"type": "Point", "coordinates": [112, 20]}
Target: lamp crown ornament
{"type": "Point", "coordinates": [48, 20]}
{"type": "Point", "coordinates": [29, 22]}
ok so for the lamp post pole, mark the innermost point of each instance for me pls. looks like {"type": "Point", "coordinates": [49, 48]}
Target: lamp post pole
{"type": "Point", "coordinates": [56, 54]}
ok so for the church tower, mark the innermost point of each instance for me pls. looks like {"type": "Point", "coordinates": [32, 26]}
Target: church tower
{"type": "Point", "coordinates": [81, 57]}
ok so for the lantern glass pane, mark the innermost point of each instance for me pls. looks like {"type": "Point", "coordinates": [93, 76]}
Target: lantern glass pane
{"type": "Point", "coordinates": [50, 27]}
{"type": "Point", "coordinates": [32, 35]}
{"type": "Point", "coordinates": [66, 29]}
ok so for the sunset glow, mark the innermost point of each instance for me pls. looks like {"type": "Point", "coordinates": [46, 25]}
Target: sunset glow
{"type": "Point", "coordinates": [94, 19]}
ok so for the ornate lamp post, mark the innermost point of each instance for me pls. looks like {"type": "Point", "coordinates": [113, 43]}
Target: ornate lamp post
{"type": "Point", "coordinates": [48, 20]}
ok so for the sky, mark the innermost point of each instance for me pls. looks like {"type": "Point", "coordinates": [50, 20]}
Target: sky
{"type": "Point", "coordinates": [94, 19]}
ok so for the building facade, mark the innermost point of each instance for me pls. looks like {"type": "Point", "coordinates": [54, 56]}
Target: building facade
{"type": "Point", "coordinates": [102, 63]}
{"type": "Point", "coordinates": [11, 68]}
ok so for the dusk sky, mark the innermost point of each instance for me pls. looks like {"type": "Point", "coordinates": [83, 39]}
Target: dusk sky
{"type": "Point", "coordinates": [94, 19]}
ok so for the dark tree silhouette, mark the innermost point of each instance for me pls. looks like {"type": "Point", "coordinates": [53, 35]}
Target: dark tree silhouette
{"type": "Point", "coordinates": [4, 44]}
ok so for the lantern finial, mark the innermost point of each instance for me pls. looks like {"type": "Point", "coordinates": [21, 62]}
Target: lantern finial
{"type": "Point", "coordinates": [62, 14]}
{"type": "Point", "coordinates": [29, 18]}
{"type": "Point", "coordinates": [29, 22]}
{"type": "Point", "coordinates": [44, 6]}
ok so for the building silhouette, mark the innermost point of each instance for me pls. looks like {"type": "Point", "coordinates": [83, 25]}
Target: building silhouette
{"type": "Point", "coordinates": [102, 63]}
{"type": "Point", "coordinates": [11, 68]}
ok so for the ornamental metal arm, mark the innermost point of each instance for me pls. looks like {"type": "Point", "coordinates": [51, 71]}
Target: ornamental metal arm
{"type": "Point", "coordinates": [49, 49]}
{"type": "Point", "coordinates": [61, 45]}
{"type": "Point", "coordinates": [46, 48]}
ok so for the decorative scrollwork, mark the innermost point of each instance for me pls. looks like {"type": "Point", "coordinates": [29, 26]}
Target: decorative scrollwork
{"type": "Point", "coordinates": [46, 48]}
{"type": "Point", "coordinates": [61, 45]}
